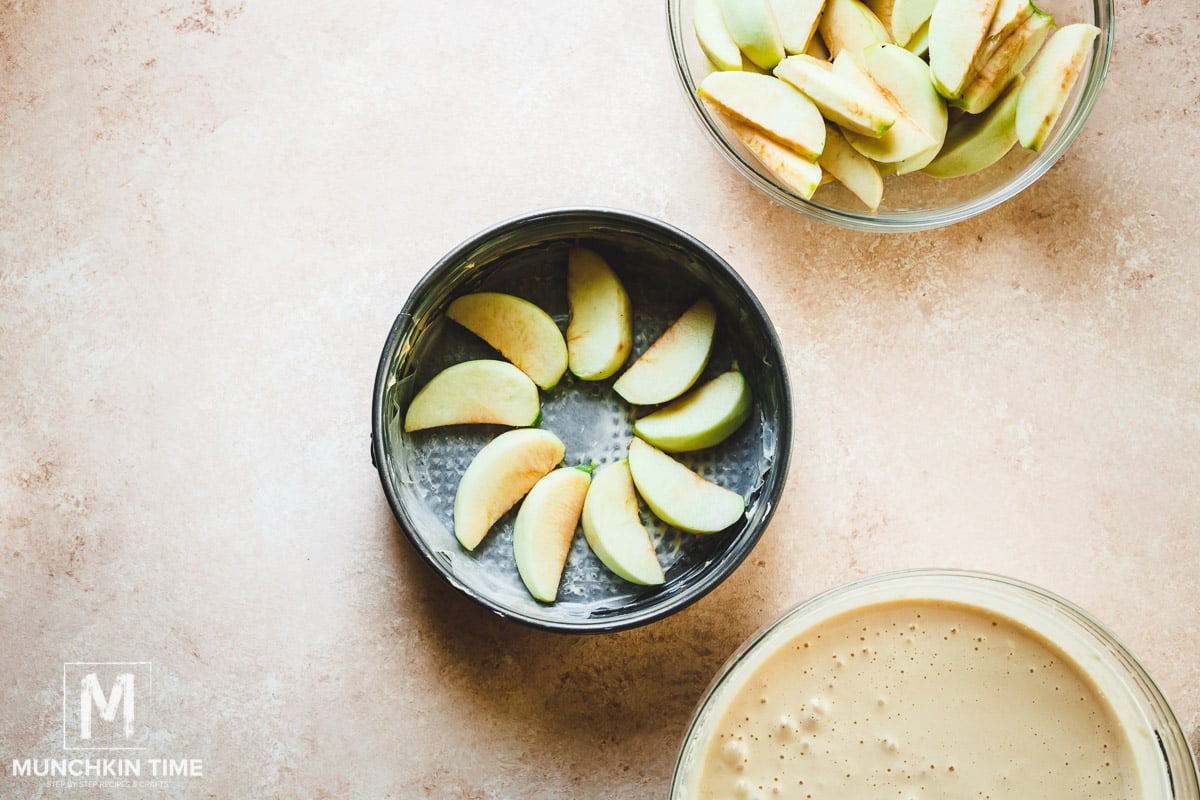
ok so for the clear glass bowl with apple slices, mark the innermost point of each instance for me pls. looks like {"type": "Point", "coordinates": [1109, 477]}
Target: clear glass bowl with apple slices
{"type": "Point", "coordinates": [916, 200]}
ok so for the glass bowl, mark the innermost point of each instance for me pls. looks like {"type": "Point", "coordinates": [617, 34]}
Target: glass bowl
{"type": "Point", "coordinates": [915, 201]}
{"type": "Point", "coordinates": [664, 271]}
{"type": "Point", "coordinates": [1157, 745]}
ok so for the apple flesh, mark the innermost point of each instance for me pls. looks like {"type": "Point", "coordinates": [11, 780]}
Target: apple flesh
{"type": "Point", "coordinates": [772, 106]}
{"type": "Point", "coordinates": [957, 29]}
{"type": "Point", "coordinates": [918, 45]}
{"type": "Point", "coordinates": [500, 475]}
{"type": "Point", "coordinates": [483, 391]}
{"type": "Point", "coordinates": [680, 497]}
{"type": "Point", "coordinates": [751, 24]}
{"type": "Point", "coordinates": [674, 361]}
{"type": "Point", "coordinates": [977, 141]}
{"type": "Point", "coordinates": [521, 331]}
{"type": "Point", "coordinates": [600, 333]}
{"type": "Point", "coordinates": [852, 169]}
{"type": "Point", "coordinates": [1006, 63]}
{"type": "Point", "coordinates": [903, 80]}
{"type": "Point", "coordinates": [795, 172]}
{"type": "Point", "coordinates": [797, 21]}
{"type": "Point", "coordinates": [850, 25]}
{"type": "Point", "coordinates": [713, 36]}
{"type": "Point", "coordinates": [1049, 82]}
{"type": "Point", "coordinates": [1010, 15]}
{"type": "Point", "coordinates": [702, 418]}
{"type": "Point", "coordinates": [613, 527]}
{"type": "Point", "coordinates": [908, 18]}
{"type": "Point", "coordinates": [544, 528]}
{"type": "Point", "coordinates": [838, 98]}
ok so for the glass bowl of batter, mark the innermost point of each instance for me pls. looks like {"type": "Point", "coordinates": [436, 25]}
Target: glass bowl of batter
{"type": "Point", "coordinates": [934, 684]}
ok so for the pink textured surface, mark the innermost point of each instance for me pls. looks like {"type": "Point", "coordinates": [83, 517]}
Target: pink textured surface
{"type": "Point", "coordinates": [210, 213]}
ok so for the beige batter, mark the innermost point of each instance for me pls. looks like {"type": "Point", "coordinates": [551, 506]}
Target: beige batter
{"type": "Point", "coordinates": [917, 700]}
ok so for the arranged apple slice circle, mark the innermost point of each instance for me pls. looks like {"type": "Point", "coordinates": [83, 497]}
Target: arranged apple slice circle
{"type": "Point", "coordinates": [483, 391]}
{"type": "Point", "coordinates": [520, 330]}
{"type": "Point", "coordinates": [702, 418]}
{"type": "Point", "coordinates": [674, 361]}
{"type": "Point", "coordinates": [544, 528]}
{"type": "Point", "coordinates": [613, 527]}
{"type": "Point", "coordinates": [500, 475]}
{"type": "Point", "coordinates": [600, 332]}
{"type": "Point", "coordinates": [680, 497]}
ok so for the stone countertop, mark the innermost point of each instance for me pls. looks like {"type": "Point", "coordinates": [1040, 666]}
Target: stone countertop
{"type": "Point", "coordinates": [210, 213]}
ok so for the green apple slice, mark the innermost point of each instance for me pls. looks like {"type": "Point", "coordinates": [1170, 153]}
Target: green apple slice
{"type": "Point", "coordinates": [613, 528]}
{"type": "Point", "coordinates": [600, 333]}
{"type": "Point", "coordinates": [978, 141]}
{"type": "Point", "coordinates": [905, 77]}
{"type": "Point", "coordinates": [1049, 82]}
{"type": "Point", "coordinates": [674, 361]}
{"type": "Point", "coordinates": [522, 332]}
{"type": "Point", "coordinates": [770, 105]}
{"type": "Point", "coordinates": [903, 80]}
{"type": "Point", "coordinates": [544, 528]}
{"type": "Point", "coordinates": [918, 44]}
{"type": "Point", "coordinates": [852, 169]}
{"type": "Point", "coordinates": [956, 32]}
{"type": "Point", "coordinates": [680, 497]}
{"type": "Point", "coordinates": [484, 391]}
{"type": "Point", "coordinates": [797, 173]}
{"type": "Point", "coordinates": [500, 475]}
{"type": "Point", "coordinates": [713, 36]}
{"type": "Point", "coordinates": [903, 140]}
{"type": "Point", "coordinates": [850, 25]}
{"type": "Point", "coordinates": [1006, 63]}
{"type": "Point", "coordinates": [797, 21]}
{"type": "Point", "coordinates": [702, 418]}
{"type": "Point", "coordinates": [838, 98]}
{"type": "Point", "coordinates": [1010, 15]}
{"type": "Point", "coordinates": [908, 18]}
{"type": "Point", "coordinates": [751, 24]}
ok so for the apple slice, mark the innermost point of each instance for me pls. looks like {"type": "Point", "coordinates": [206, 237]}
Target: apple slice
{"type": "Point", "coordinates": [798, 174]}
{"type": "Point", "coordinates": [500, 475]}
{"type": "Point", "coordinates": [713, 36]}
{"type": "Point", "coordinates": [704, 417]}
{"type": "Point", "coordinates": [978, 141]}
{"type": "Point", "coordinates": [523, 333]}
{"type": "Point", "coordinates": [903, 140]}
{"type": "Point", "coordinates": [484, 391]}
{"type": "Point", "coordinates": [1049, 82]}
{"type": "Point", "coordinates": [1010, 15]}
{"type": "Point", "coordinates": [770, 105]}
{"type": "Point", "coordinates": [918, 45]}
{"type": "Point", "coordinates": [544, 528]}
{"type": "Point", "coordinates": [672, 364]}
{"type": "Point", "coordinates": [797, 21]}
{"type": "Point", "coordinates": [680, 497]}
{"type": "Point", "coordinates": [852, 169]}
{"type": "Point", "coordinates": [600, 333]}
{"type": "Point", "coordinates": [956, 32]}
{"type": "Point", "coordinates": [816, 48]}
{"type": "Point", "coordinates": [614, 530]}
{"type": "Point", "coordinates": [1006, 63]}
{"type": "Point", "coordinates": [850, 25]}
{"type": "Point", "coordinates": [751, 24]}
{"type": "Point", "coordinates": [908, 17]}
{"type": "Point", "coordinates": [838, 98]}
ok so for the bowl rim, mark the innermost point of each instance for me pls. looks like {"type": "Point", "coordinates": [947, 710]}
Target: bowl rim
{"type": "Point", "coordinates": [1173, 745]}
{"type": "Point", "coordinates": [910, 220]}
{"type": "Point", "coordinates": [729, 560]}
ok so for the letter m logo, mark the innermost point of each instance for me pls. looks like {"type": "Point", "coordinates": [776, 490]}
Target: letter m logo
{"type": "Point", "coordinates": [104, 705]}
{"type": "Point", "coordinates": [90, 694]}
